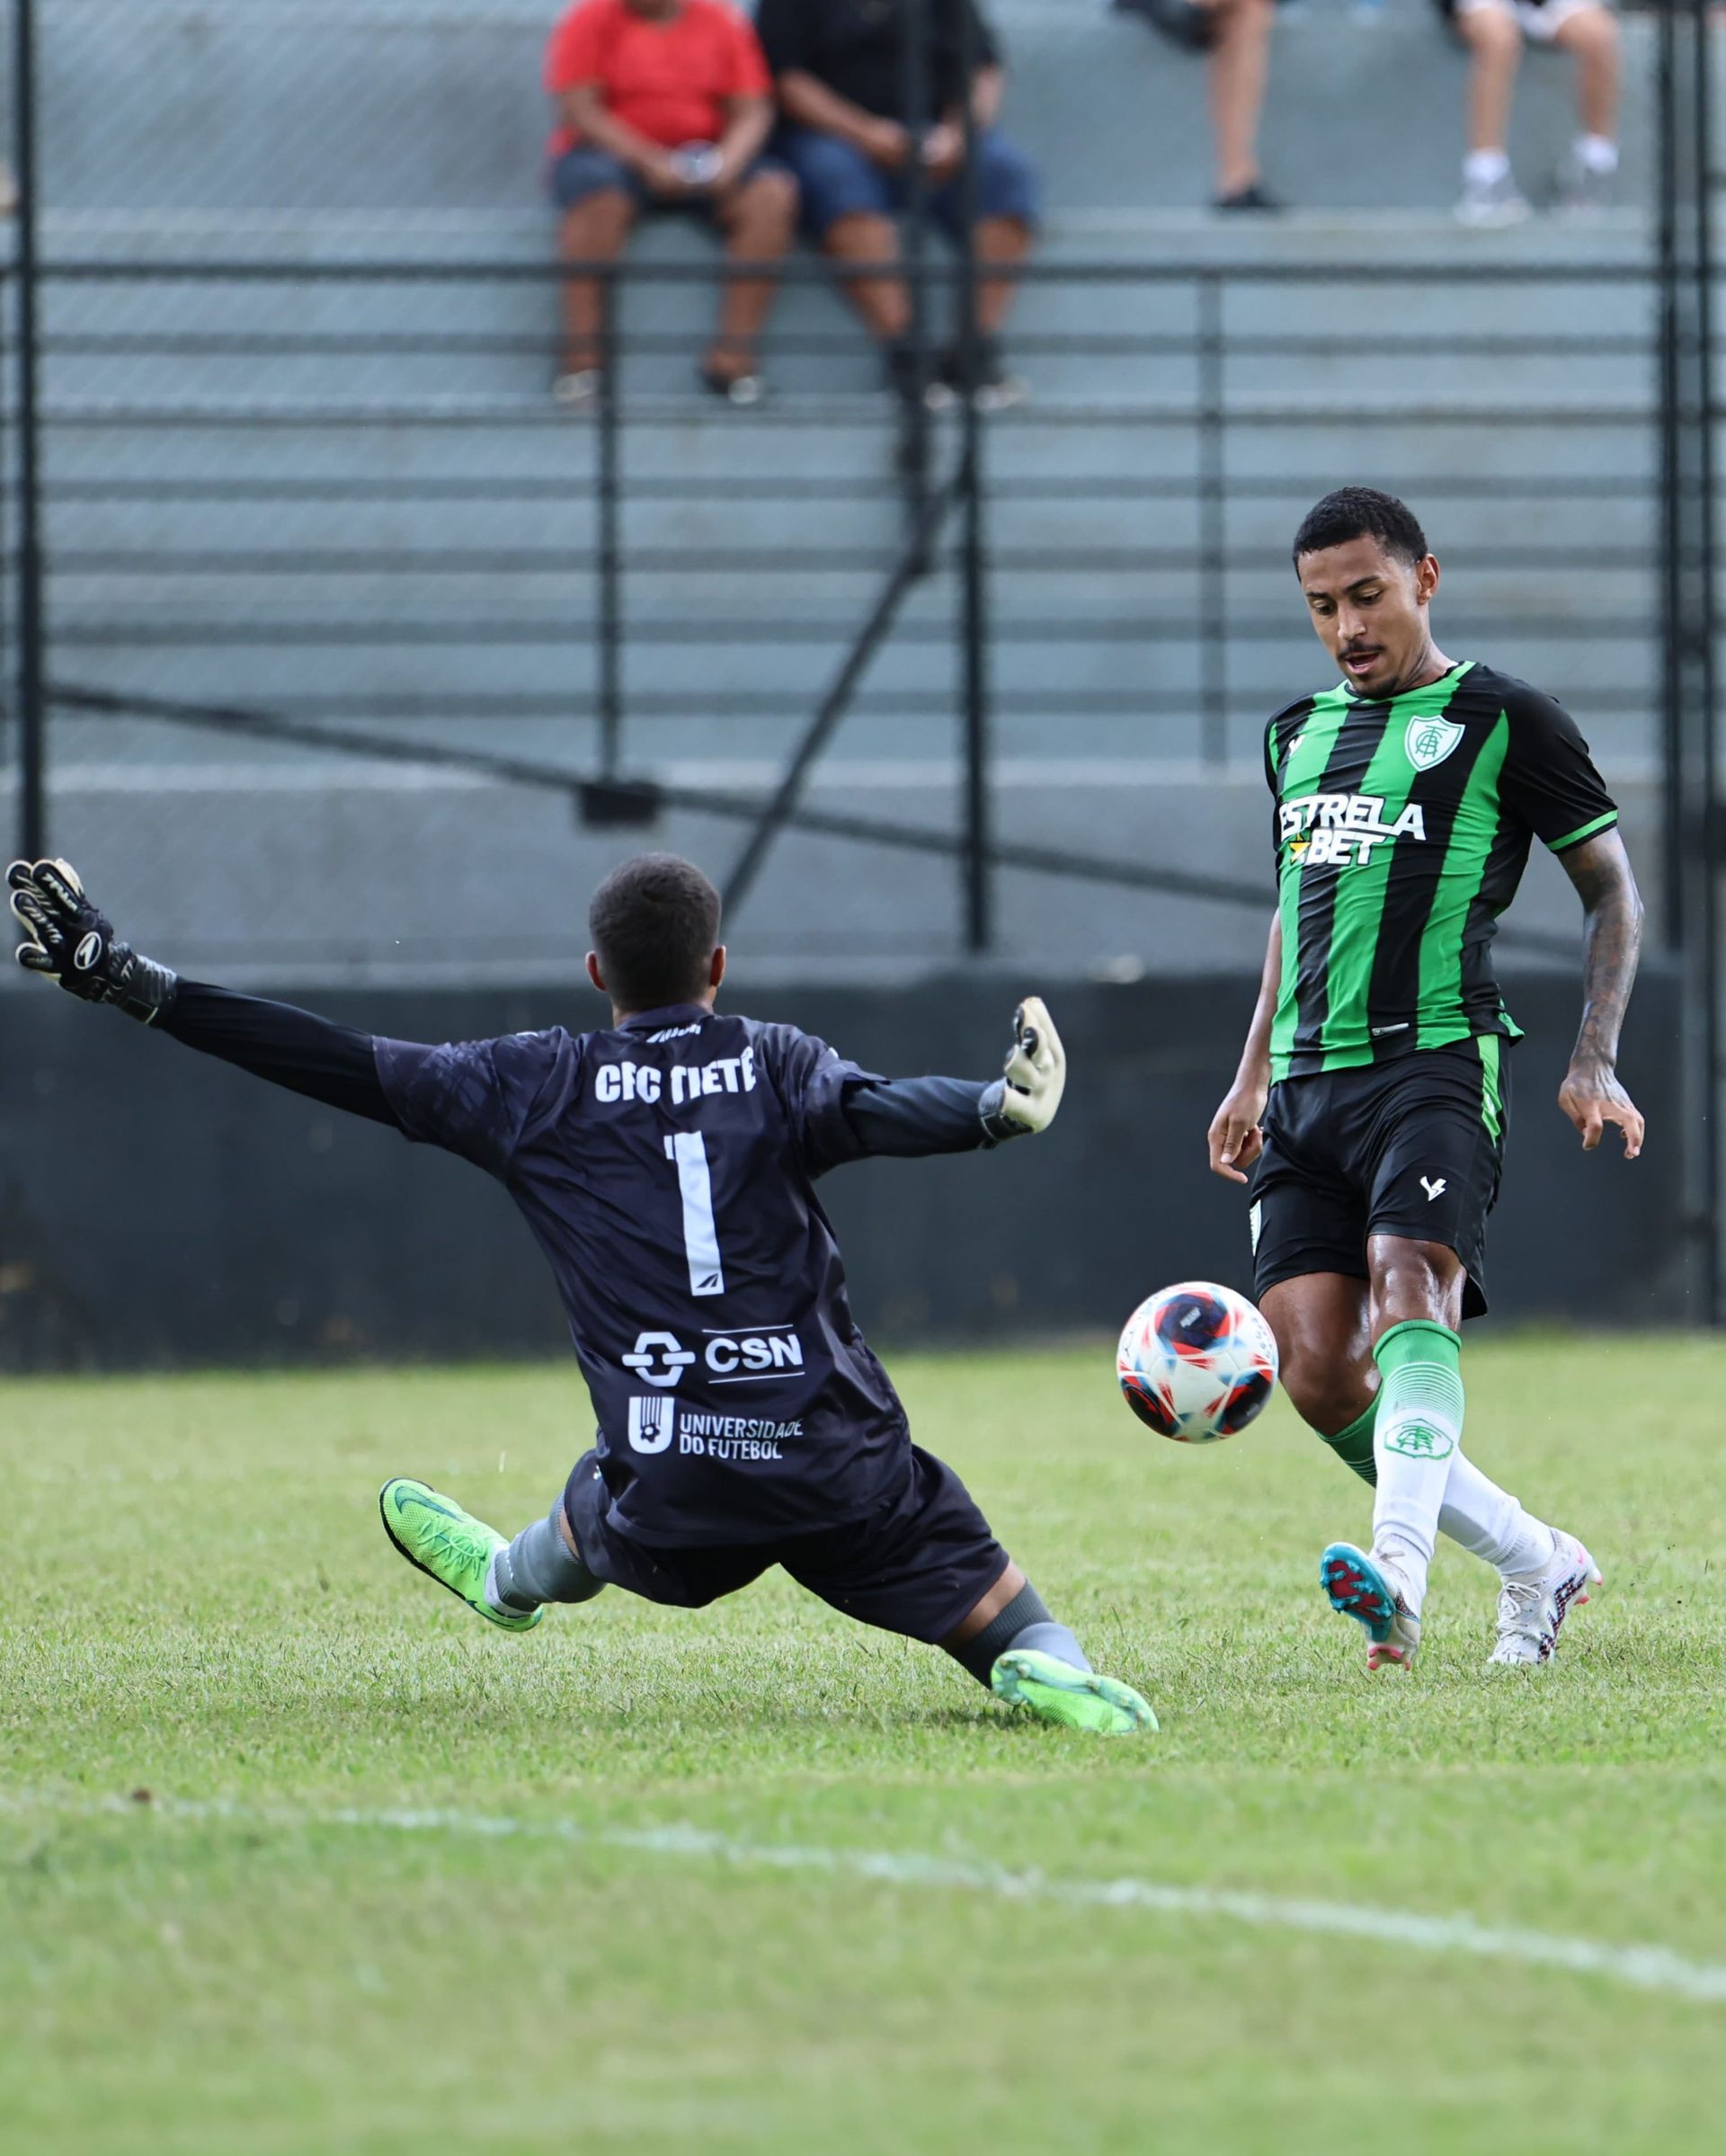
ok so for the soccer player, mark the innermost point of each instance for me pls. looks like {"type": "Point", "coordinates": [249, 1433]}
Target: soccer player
{"type": "Point", "coordinates": [666, 1165]}
{"type": "Point", "coordinates": [1374, 1091]}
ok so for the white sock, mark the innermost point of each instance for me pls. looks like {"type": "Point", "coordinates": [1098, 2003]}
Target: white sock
{"type": "Point", "coordinates": [1415, 1441]}
{"type": "Point", "coordinates": [1597, 153]}
{"type": "Point", "coordinates": [1488, 1523]}
{"type": "Point", "coordinates": [1485, 168]}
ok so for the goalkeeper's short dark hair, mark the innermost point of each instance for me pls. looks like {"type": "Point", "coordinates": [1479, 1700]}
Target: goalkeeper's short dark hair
{"type": "Point", "coordinates": [654, 922]}
{"type": "Point", "coordinates": [1354, 513]}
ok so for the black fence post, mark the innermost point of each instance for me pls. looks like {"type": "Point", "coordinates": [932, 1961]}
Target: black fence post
{"type": "Point", "coordinates": [1695, 842]}
{"type": "Point", "coordinates": [32, 717]}
{"type": "Point", "coordinates": [609, 510]}
{"type": "Point", "coordinates": [1213, 510]}
{"type": "Point", "coordinates": [913, 414]}
{"type": "Point", "coordinates": [974, 594]}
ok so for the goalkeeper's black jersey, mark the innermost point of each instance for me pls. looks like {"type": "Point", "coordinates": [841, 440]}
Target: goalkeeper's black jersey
{"type": "Point", "coordinates": [1402, 829]}
{"type": "Point", "coordinates": [666, 1167]}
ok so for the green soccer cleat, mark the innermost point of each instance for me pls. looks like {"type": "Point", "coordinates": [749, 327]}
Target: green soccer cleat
{"type": "Point", "coordinates": [1057, 1692]}
{"type": "Point", "coordinates": [455, 1548]}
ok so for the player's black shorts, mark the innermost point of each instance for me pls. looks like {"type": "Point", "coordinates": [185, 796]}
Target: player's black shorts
{"type": "Point", "coordinates": [1410, 1147]}
{"type": "Point", "coordinates": [919, 1564]}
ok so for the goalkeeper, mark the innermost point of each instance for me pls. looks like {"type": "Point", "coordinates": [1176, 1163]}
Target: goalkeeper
{"type": "Point", "coordinates": [666, 1166]}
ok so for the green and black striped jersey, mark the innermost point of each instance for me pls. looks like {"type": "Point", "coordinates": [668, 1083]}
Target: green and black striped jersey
{"type": "Point", "coordinates": [1401, 830]}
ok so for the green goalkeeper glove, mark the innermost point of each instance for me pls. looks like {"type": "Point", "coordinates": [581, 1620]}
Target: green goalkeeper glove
{"type": "Point", "coordinates": [1023, 1099]}
{"type": "Point", "coordinates": [70, 942]}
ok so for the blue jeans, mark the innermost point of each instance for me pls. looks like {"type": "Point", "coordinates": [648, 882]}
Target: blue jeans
{"type": "Point", "coordinates": [837, 180]}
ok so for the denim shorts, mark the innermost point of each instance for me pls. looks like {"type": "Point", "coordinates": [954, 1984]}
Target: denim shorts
{"type": "Point", "coordinates": [582, 172]}
{"type": "Point", "coordinates": [837, 180]}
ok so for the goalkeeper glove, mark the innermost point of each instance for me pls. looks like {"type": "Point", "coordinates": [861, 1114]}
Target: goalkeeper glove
{"type": "Point", "coordinates": [69, 940]}
{"type": "Point", "coordinates": [1023, 1099]}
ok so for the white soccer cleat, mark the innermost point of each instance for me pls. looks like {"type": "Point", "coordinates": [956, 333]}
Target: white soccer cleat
{"type": "Point", "coordinates": [1532, 1611]}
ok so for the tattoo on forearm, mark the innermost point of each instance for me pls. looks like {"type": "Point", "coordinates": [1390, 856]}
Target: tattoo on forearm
{"type": "Point", "coordinates": [1613, 940]}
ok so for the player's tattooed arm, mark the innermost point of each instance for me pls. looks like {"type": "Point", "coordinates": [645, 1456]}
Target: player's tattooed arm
{"type": "Point", "coordinates": [1236, 1137]}
{"type": "Point", "coordinates": [1591, 1095]}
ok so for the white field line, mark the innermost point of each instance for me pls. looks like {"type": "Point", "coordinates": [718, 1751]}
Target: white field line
{"type": "Point", "coordinates": [1643, 1968]}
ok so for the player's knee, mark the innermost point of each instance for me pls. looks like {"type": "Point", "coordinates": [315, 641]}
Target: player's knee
{"type": "Point", "coordinates": [1412, 1280]}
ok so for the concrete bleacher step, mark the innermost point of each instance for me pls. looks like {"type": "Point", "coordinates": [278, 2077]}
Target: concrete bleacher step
{"type": "Point", "coordinates": [192, 483]}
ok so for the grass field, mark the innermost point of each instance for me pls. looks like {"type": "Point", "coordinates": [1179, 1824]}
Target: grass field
{"type": "Point", "coordinates": [402, 1882]}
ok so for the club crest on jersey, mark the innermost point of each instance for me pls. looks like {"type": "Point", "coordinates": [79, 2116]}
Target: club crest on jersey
{"type": "Point", "coordinates": [1428, 741]}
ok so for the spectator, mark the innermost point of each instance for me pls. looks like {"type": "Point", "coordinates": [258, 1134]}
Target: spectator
{"type": "Point", "coordinates": [1236, 36]}
{"type": "Point", "coordinates": [1493, 31]}
{"type": "Point", "coordinates": [839, 68]}
{"type": "Point", "coordinates": [664, 105]}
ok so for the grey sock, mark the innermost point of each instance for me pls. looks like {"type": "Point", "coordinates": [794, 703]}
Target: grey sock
{"type": "Point", "coordinates": [1024, 1623]}
{"type": "Point", "coordinates": [539, 1566]}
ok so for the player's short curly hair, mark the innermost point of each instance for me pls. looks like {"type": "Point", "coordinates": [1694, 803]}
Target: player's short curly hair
{"type": "Point", "coordinates": [654, 922]}
{"type": "Point", "coordinates": [1354, 513]}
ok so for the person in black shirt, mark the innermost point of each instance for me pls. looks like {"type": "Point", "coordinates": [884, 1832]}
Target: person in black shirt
{"type": "Point", "coordinates": [850, 138]}
{"type": "Point", "coordinates": [666, 1165]}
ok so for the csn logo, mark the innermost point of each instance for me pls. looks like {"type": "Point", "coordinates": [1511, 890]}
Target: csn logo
{"type": "Point", "coordinates": [741, 1358]}
{"type": "Point", "coordinates": [658, 1357]}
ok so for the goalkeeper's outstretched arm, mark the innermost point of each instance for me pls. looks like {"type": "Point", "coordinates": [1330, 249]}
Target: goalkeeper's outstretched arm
{"type": "Point", "coordinates": [68, 939]}
{"type": "Point", "coordinates": [911, 1116]}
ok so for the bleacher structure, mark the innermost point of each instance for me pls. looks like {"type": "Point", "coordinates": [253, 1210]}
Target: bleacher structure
{"type": "Point", "coordinates": [330, 485]}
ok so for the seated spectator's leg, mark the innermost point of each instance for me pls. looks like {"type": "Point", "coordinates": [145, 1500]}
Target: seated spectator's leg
{"type": "Point", "coordinates": [848, 209]}
{"type": "Point", "coordinates": [1006, 214]}
{"type": "Point", "coordinates": [1240, 68]}
{"type": "Point", "coordinates": [599, 199]}
{"type": "Point", "coordinates": [1589, 34]}
{"type": "Point", "coordinates": [758, 217]}
{"type": "Point", "coordinates": [1491, 32]}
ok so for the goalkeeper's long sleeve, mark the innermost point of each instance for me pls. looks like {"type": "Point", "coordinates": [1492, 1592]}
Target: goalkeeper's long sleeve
{"type": "Point", "coordinates": [907, 1118]}
{"type": "Point", "coordinates": [290, 1048]}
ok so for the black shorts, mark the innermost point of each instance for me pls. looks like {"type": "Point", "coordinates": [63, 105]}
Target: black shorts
{"type": "Point", "coordinates": [1411, 1147]}
{"type": "Point", "coordinates": [919, 1564]}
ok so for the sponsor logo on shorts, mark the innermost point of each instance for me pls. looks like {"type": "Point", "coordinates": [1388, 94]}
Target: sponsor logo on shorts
{"type": "Point", "coordinates": [1255, 1223]}
{"type": "Point", "coordinates": [1419, 1442]}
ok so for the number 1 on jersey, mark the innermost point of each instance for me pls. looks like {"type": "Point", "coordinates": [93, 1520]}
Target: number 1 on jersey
{"type": "Point", "coordinates": [689, 1149]}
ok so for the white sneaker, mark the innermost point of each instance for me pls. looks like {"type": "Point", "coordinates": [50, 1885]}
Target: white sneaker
{"type": "Point", "coordinates": [1582, 192]}
{"type": "Point", "coordinates": [1490, 204]}
{"type": "Point", "coordinates": [1373, 1591]}
{"type": "Point", "coordinates": [1532, 1610]}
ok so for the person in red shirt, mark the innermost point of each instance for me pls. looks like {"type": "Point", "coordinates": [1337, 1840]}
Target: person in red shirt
{"type": "Point", "coordinates": [664, 105]}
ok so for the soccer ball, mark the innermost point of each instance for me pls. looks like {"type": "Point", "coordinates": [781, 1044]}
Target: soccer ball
{"type": "Point", "coordinates": [1196, 1362]}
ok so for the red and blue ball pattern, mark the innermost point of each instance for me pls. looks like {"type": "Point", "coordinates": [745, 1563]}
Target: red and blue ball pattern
{"type": "Point", "coordinates": [1196, 1362]}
